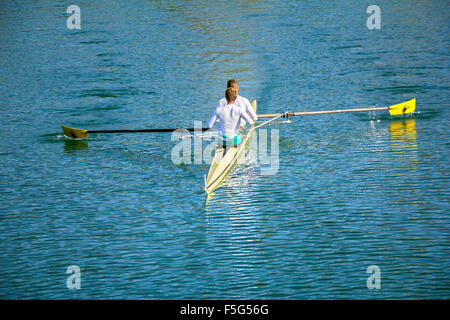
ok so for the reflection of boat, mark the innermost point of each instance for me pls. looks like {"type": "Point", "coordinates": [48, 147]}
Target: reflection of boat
{"type": "Point", "coordinates": [223, 163]}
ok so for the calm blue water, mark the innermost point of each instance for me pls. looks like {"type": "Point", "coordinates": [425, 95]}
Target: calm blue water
{"type": "Point", "coordinates": [352, 190]}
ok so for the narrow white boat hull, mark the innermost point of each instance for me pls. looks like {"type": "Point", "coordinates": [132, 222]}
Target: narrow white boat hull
{"type": "Point", "coordinates": [223, 164]}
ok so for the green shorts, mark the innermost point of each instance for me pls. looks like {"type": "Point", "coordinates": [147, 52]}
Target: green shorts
{"type": "Point", "coordinates": [237, 140]}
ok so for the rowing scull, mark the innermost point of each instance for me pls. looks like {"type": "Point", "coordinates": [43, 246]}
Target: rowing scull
{"type": "Point", "coordinates": [223, 162]}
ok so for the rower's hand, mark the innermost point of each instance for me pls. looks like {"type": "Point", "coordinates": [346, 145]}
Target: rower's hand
{"type": "Point", "coordinates": [242, 128]}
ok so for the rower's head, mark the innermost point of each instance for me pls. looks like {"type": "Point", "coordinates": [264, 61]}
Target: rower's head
{"type": "Point", "coordinates": [233, 84]}
{"type": "Point", "coordinates": [230, 95]}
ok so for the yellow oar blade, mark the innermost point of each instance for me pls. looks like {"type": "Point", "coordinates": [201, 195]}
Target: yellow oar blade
{"type": "Point", "coordinates": [403, 108]}
{"type": "Point", "coordinates": [75, 133]}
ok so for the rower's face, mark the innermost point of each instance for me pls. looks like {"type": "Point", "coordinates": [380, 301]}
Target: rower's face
{"type": "Point", "coordinates": [236, 86]}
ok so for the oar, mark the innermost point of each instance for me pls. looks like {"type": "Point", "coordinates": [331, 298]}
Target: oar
{"type": "Point", "coordinates": [396, 109]}
{"type": "Point", "coordinates": [83, 133]}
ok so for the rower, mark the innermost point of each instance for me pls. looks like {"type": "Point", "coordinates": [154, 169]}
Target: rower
{"type": "Point", "coordinates": [230, 116]}
{"type": "Point", "coordinates": [242, 102]}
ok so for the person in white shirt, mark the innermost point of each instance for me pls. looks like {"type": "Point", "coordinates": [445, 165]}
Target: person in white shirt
{"type": "Point", "coordinates": [242, 102]}
{"type": "Point", "coordinates": [230, 116]}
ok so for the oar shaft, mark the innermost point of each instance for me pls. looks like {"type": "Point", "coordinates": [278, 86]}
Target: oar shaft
{"type": "Point", "coordinates": [306, 113]}
{"type": "Point", "coordinates": [309, 113]}
{"type": "Point", "coordinates": [145, 130]}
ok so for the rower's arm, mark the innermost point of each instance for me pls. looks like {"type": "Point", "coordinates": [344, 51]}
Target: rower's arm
{"type": "Point", "coordinates": [250, 110]}
{"type": "Point", "coordinates": [246, 117]}
{"type": "Point", "coordinates": [212, 120]}
{"type": "Point", "coordinates": [219, 104]}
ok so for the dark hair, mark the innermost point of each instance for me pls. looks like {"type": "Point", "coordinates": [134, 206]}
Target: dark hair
{"type": "Point", "coordinates": [231, 83]}
{"type": "Point", "coordinates": [230, 94]}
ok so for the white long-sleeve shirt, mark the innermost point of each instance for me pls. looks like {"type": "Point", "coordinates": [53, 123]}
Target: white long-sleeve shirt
{"type": "Point", "coordinates": [245, 104]}
{"type": "Point", "coordinates": [229, 116]}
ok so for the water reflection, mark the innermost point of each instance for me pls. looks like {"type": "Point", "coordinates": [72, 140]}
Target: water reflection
{"type": "Point", "coordinates": [404, 164]}
{"type": "Point", "coordinates": [404, 139]}
{"type": "Point", "coordinates": [73, 145]}
{"type": "Point", "coordinates": [219, 45]}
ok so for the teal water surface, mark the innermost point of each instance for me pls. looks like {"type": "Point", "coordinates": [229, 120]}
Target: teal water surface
{"type": "Point", "coordinates": [351, 190]}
